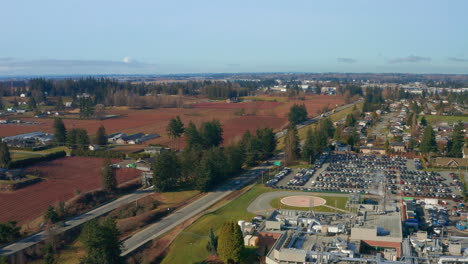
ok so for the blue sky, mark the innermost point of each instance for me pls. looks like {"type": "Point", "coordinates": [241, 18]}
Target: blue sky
{"type": "Point", "coordinates": [159, 37]}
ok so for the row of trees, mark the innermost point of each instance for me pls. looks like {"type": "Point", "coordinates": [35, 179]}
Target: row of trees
{"type": "Point", "coordinates": [454, 146]}
{"type": "Point", "coordinates": [204, 163]}
{"type": "Point", "coordinates": [102, 88]}
{"type": "Point", "coordinates": [77, 138]}
{"type": "Point", "coordinates": [316, 141]}
{"type": "Point", "coordinates": [373, 99]}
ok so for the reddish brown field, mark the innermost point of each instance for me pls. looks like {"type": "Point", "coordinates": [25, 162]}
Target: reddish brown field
{"type": "Point", "coordinates": [247, 105]}
{"type": "Point", "coordinates": [258, 114]}
{"type": "Point", "coordinates": [235, 128]}
{"type": "Point", "coordinates": [313, 104]}
{"type": "Point", "coordinates": [64, 177]}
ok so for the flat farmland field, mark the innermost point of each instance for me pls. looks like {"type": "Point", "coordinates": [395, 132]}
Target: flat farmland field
{"type": "Point", "coordinates": [246, 105]}
{"type": "Point", "coordinates": [257, 114]}
{"type": "Point", "coordinates": [64, 177]}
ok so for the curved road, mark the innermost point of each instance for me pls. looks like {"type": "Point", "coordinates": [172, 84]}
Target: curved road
{"type": "Point", "coordinates": [261, 205]}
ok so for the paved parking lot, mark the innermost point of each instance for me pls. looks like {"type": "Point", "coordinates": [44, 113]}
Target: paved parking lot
{"type": "Point", "coordinates": [370, 174]}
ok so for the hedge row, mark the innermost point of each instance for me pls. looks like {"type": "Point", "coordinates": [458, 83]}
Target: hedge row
{"type": "Point", "coordinates": [30, 161]}
{"type": "Point", "coordinates": [38, 148]}
{"type": "Point", "coordinates": [98, 154]}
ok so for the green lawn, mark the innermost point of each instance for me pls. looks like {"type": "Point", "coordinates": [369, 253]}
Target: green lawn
{"type": "Point", "coordinates": [433, 119]}
{"type": "Point", "coordinates": [340, 203]}
{"type": "Point", "coordinates": [54, 149]}
{"type": "Point", "coordinates": [190, 245]}
{"type": "Point", "coordinates": [334, 117]}
{"type": "Point", "coordinates": [23, 155]}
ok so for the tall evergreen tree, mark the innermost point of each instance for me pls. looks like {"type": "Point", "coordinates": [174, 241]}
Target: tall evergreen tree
{"type": "Point", "coordinates": [5, 157]}
{"type": "Point", "coordinates": [423, 121]}
{"type": "Point", "coordinates": [108, 179]}
{"type": "Point", "coordinates": [251, 148]}
{"type": "Point", "coordinates": [212, 242]}
{"type": "Point", "coordinates": [428, 143]}
{"type": "Point", "coordinates": [78, 138]}
{"type": "Point", "coordinates": [457, 141]}
{"type": "Point", "coordinates": [327, 127]}
{"type": "Point", "coordinates": [166, 171]}
{"type": "Point", "coordinates": [213, 169]}
{"type": "Point", "coordinates": [60, 132]}
{"type": "Point", "coordinates": [320, 141]}
{"type": "Point", "coordinates": [101, 242]}
{"type": "Point", "coordinates": [308, 151]}
{"type": "Point", "coordinates": [230, 243]}
{"type": "Point", "coordinates": [175, 129]}
{"type": "Point", "coordinates": [291, 145]}
{"type": "Point", "coordinates": [297, 114]}
{"type": "Point", "coordinates": [86, 107]}
{"type": "Point", "coordinates": [211, 133]}
{"type": "Point", "coordinates": [192, 136]}
{"type": "Point", "coordinates": [82, 139]}
{"type": "Point", "coordinates": [101, 136]}
{"type": "Point", "coordinates": [267, 140]}
{"type": "Point", "coordinates": [234, 159]}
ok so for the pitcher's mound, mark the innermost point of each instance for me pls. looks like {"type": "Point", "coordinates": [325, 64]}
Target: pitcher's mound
{"type": "Point", "coordinates": [303, 201]}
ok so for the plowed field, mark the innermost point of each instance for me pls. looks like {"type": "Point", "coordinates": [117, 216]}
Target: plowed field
{"type": "Point", "coordinates": [64, 176]}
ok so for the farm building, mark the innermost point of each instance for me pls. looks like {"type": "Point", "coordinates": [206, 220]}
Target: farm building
{"type": "Point", "coordinates": [129, 139]}
{"type": "Point", "coordinates": [155, 149]}
{"type": "Point", "coordinates": [137, 138]}
{"type": "Point", "coordinates": [114, 137]}
{"type": "Point", "coordinates": [29, 139]}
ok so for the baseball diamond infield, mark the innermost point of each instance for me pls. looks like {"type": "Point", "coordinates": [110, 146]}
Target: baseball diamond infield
{"type": "Point", "coordinates": [303, 201]}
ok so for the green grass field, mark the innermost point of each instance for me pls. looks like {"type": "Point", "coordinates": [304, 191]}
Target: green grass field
{"type": "Point", "coordinates": [434, 119]}
{"type": "Point", "coordinates": [340, 203]}
{"type": "Point", "coordinates": [190, 245]}
{"type": "Point", "coordinates": [334, 117]}
{"type": "Point", "coordinates": [23, 155]}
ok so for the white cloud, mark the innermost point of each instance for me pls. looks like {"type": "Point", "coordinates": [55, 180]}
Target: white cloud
{"type": "Point", "coordinates": [54, 66]}
{"type": "Point", "coordinates": [410, 59]}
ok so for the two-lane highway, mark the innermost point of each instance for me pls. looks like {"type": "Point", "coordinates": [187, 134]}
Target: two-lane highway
{"type": "Point", "coordinates": [76, 221]}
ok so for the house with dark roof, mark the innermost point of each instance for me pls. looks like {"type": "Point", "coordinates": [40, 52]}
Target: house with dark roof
{"type": "Point", "coordinates": [398, 146]}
